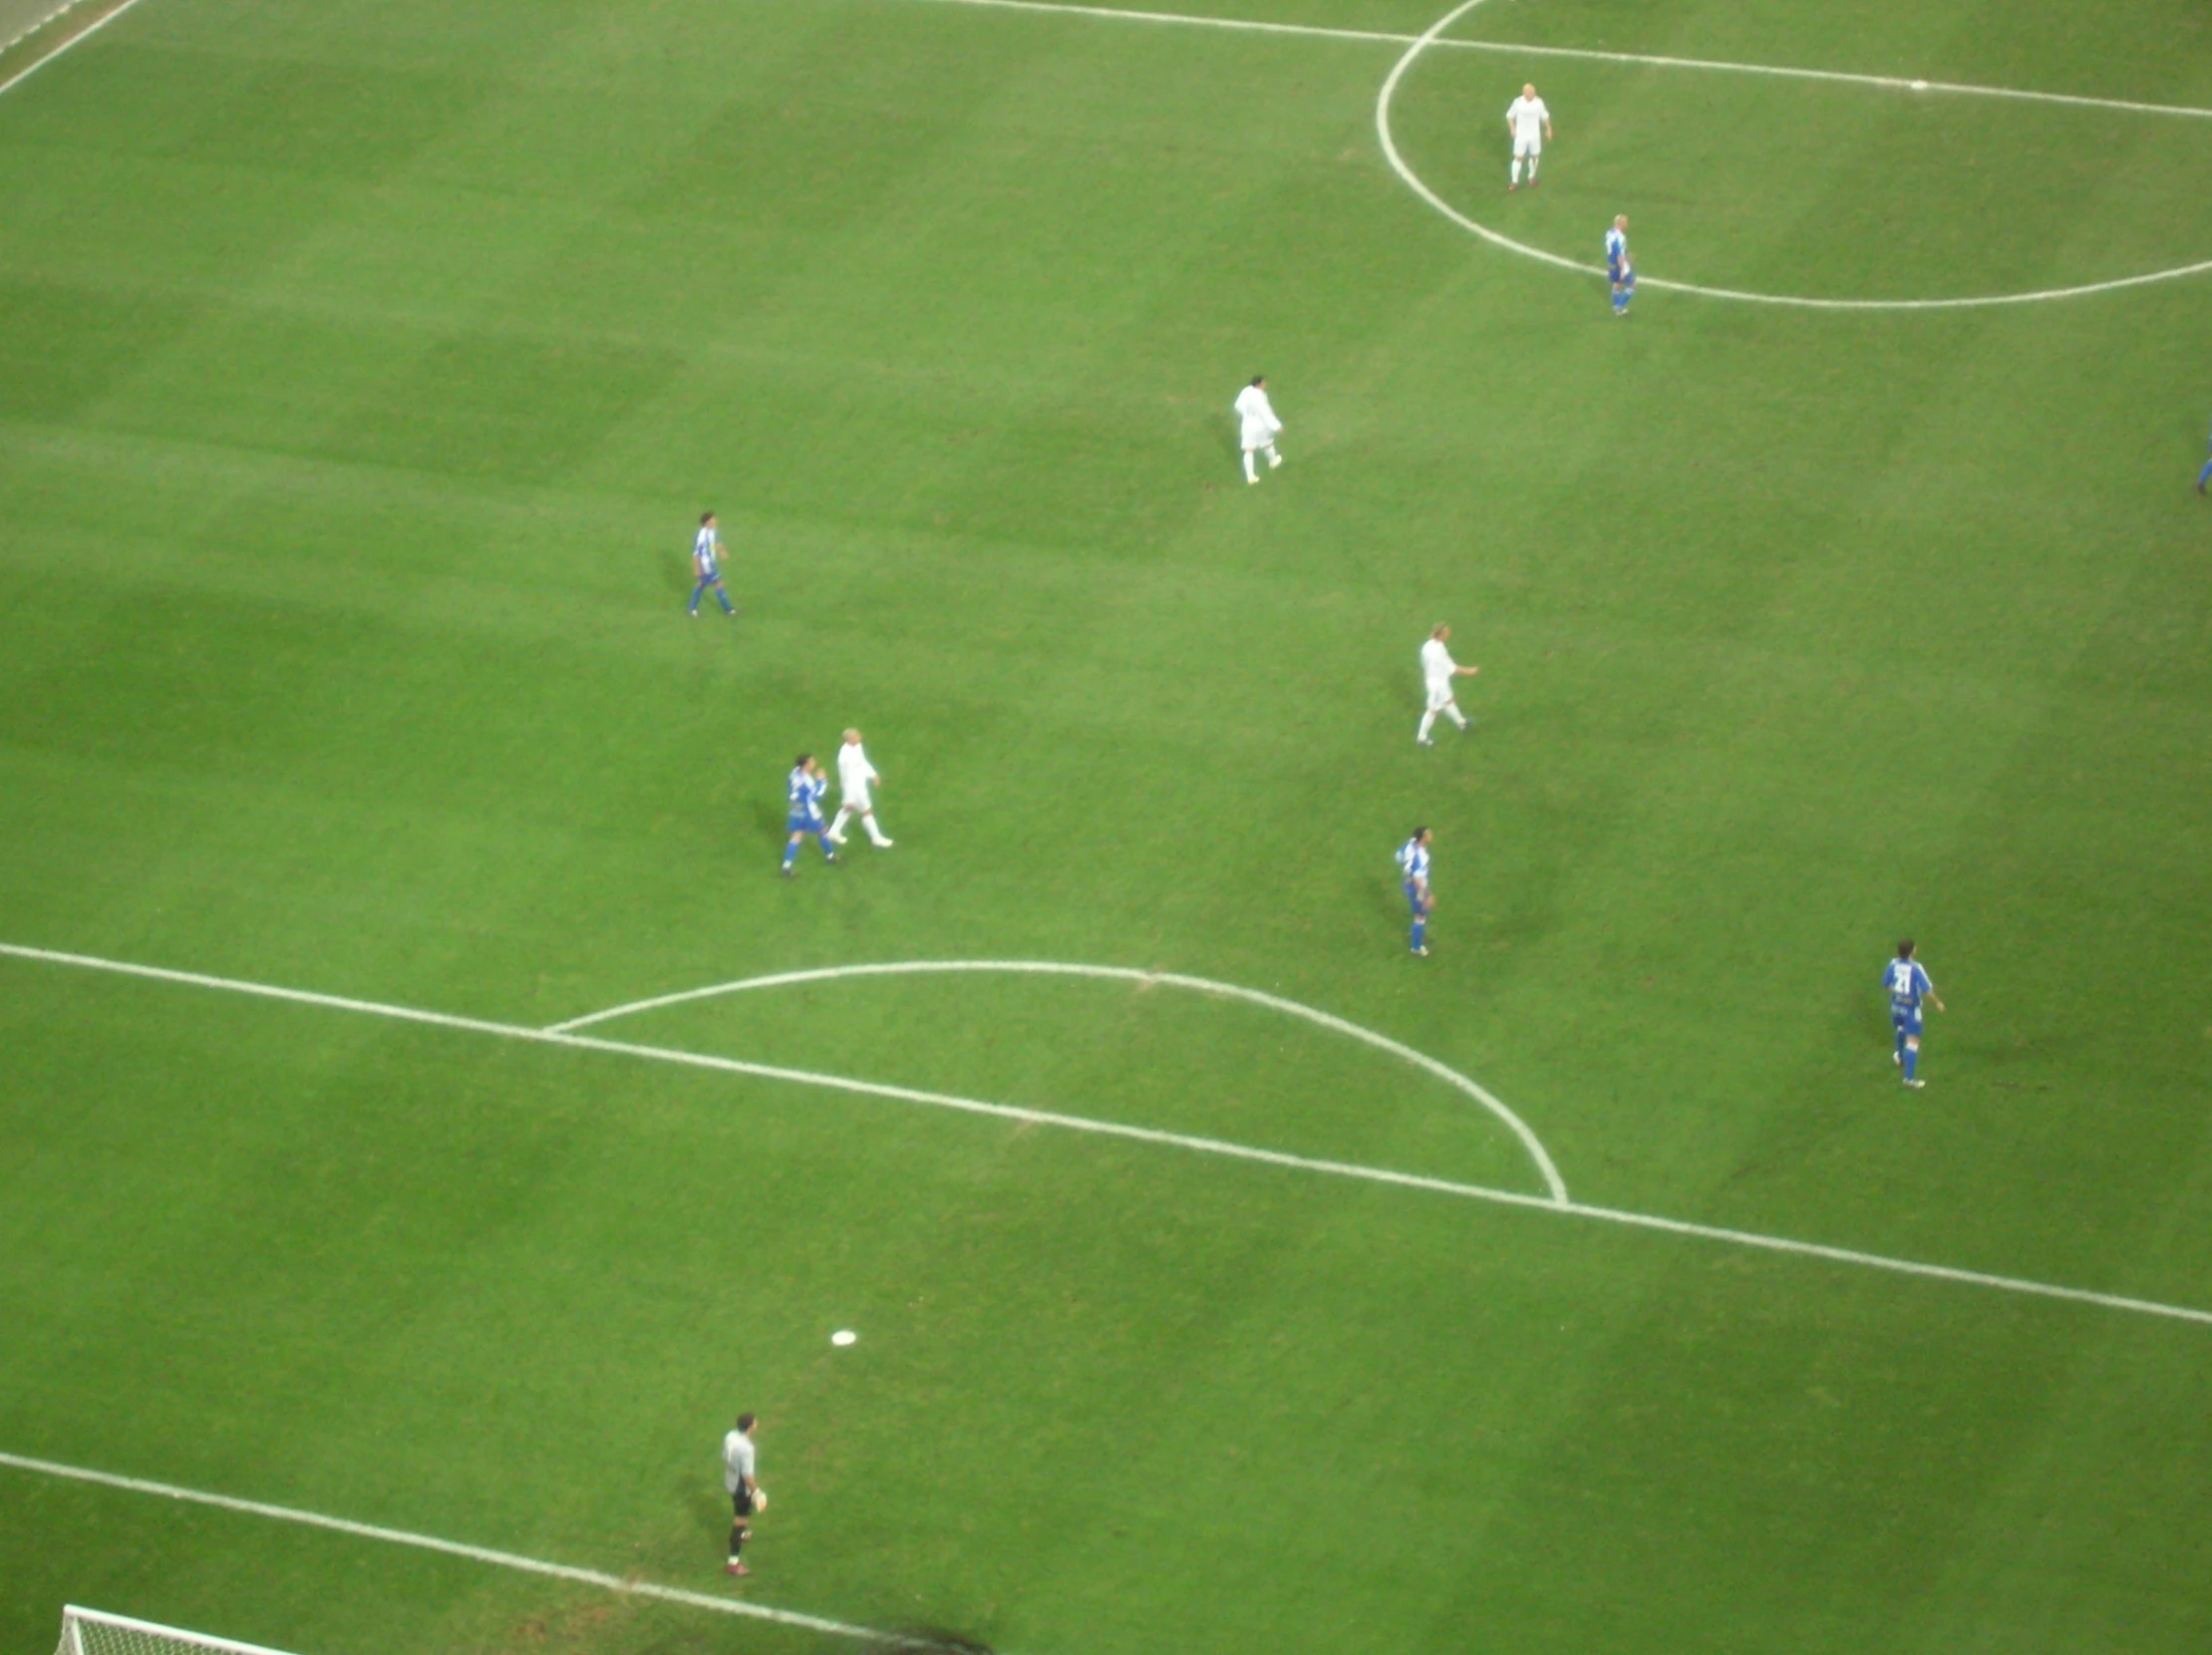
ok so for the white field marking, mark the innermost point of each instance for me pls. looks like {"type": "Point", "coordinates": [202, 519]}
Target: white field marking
{"type": "Point", "coordinates": [1145, 1134]}
{"type": "Point", "coordinates": [1433, 39]}
{"type": "Point", "coordinates": [38, 64]}
{"type": "Point", "coordinates": [629, 1586]}
{"type": "Point", "coordinates": [1432, 36]}
{"type": "Point", "coordinates": [1842, 77]}
{"type": "Point", "coordinates": [1122, 974]}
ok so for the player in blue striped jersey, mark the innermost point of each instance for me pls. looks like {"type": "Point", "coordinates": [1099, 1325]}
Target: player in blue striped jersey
{"type": "Point", "coordinates": [1412, 866]}
{"type": "Point", "coordinates": [805, 788]}
{"type": "Point", "coordinates": [1908, 987]}
{"type": "Point", "coordinates": [1618, 270]}
{"type": "Point", "coordinates": [706, 563]}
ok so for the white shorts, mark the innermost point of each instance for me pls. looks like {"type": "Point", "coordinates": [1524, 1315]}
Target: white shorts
{"type": "Point", "coordinates": [1258, 437]}
{"type": "Point", "coordinates": [1439, 697]}
{"type": "Point", "coordinates": [856, 799]}
{"type": "Point", "coordinates": [1530, 146]}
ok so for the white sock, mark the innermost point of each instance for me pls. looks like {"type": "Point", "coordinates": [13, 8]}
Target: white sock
{"type": "Point", "coordinates": [876, 834]}
{"type": "Point", "coordinates": [1251, 472]}
{"type": "Point", "coordinates": [1428, 723]}
{"type": "Point", "coordinates": [1516, 170]}
{"type": "Point", "coordinates": [1457, 717]}
{"type": "Point", "coordinates": [1273, 459]}
{"type": "Point", "coordinates": [837, 828]}
{"type": "Point", "coordinates": [1531, 169]}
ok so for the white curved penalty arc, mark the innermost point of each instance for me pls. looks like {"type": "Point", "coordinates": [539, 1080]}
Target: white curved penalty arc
{"type": "Point", "coordinates": [1554, 1184]}
{"type": "Point", "coordinates": [1433, 36]}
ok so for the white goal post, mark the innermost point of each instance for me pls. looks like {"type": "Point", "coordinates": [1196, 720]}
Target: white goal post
{"type": "Point", "coordinates": [96, 1632]}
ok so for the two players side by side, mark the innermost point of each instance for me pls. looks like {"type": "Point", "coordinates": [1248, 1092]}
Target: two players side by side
{"type": "Point", "coordinates": [806, 787]}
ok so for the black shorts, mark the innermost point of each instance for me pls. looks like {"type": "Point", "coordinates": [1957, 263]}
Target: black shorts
{"type": "Point", "coordinates": [741, 1503]}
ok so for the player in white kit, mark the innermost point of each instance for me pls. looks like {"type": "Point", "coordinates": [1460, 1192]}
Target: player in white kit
{"type": "Point", "coordinates": [855, 776]}
{"type": "Point", "coordinates": [1438, 670]}
{"type": "Point", "coordinates": [1256, 414]}
{"type": "Point", "coordinates": [1530, 124]}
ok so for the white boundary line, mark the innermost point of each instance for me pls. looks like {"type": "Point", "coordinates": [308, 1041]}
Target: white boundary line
{"type": "Point", "coordinates": [67, 45]}
{"type": "Point", "coordinates": [1143, 1135]}
{"type": "Point", "coordinates": [1843, 77]}
{"type": "Point", "coordinates": [1794, 301]}
{"type": "Point", "coordinates": [630, 1587]}
{"type": "Point", "coordinates": [1122, 974]}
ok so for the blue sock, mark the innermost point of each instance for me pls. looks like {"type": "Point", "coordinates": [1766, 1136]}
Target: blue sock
{"type": "Point", "coordinates": [827, 849]}
{"type": "Point", "coordinates": [790, 853]}
{"type": "Point", "coordinates": [1912, 1061]}
{"type": "Point", "coordinates": [697, 592]}
{"type": "Point", "coordinates": [1900, 1045]}
{"type": "Point", "coordinates": [2205, 476]}
{"type": "Point", "coordinates": [1421, 928]}
{"type": "Point", "coordinates": [724, 597]}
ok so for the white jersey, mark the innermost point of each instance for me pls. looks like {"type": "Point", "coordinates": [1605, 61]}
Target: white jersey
{"type": "Point", "coordinates": [1257, 416]}
{"type": "Point", "coordinates": [1436, 664]}
{"type": "Point", "coordinates": [1529, 118]}
{"type": "Point", "coordinates": [855, 773]}
{"type": "Point", "coordinates": [737, 1460]}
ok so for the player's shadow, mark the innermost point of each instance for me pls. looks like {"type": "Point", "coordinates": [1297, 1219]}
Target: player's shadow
{"type": "Point", "coordinates": [770, 822]}
{"type": "Point", "coordinates": [708, 1516]}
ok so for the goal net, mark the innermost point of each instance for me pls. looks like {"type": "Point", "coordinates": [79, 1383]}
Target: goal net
{"type": "Point", "coordinates": [96, 1632]}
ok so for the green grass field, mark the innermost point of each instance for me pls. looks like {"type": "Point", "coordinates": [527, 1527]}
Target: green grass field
{"type": "Point", "coordinates": [363, 369]}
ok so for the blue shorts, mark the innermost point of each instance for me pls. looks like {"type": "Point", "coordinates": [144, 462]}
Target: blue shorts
{"type": "Point", "coordinates": [802, 824]}
{"type": "Point", "coordinates": [710, 576]}
{"type": "Point", "coordinates": [1621, 277]}
{"type": "Point", "coordinates": [1905, 1022]}
{"type": "Point", "coordinates": [1413, 897]}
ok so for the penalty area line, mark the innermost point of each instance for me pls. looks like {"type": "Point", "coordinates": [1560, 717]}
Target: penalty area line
{"type": "Point", "coordinates": [1143, 1135]}
{"type": "Point", "coordinates": [629, 1586]}
{"type": "Point", "coordinates": [1584, 54]}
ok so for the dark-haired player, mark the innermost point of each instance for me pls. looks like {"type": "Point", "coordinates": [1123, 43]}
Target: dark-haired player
{"type": "Point", "coordinates": [1412, 866]}
{"type": "Point", "coordinates": [804, 790]}
{"type": "Point", "coordinates": [705, 552]}
{"type": "Point", "coordinates": [1908, 987]}
{"type": "Point", "coordinates": [745, 1493]}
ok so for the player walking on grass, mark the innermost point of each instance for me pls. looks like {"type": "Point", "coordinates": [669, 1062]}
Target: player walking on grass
{"type": "Point", "coordinates": [1413, 868]}
{"type": "Point", "coordinates": [706, 550]}
{"type": "Point", "coordinates": [745, 1495]}
{"type": "Point", "coordinates": [1908, 987]}
{"type": "Point", "coordinates": [803, 789]}
{"type": "Point", "coordinates": [1258, 427]}
{"type": "Point", "coordinates": [1438, 670]}
{"type": "Point", "coordinates": [855, 776]}
{"type": "Point", "coordinates": [1618, 270]}
{"type": "Point", "coordinates": [2204, 477]}
{"type": "Point", "coordinates": [1530, 124]}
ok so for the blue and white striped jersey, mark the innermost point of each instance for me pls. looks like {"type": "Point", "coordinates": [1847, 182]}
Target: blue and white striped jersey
{"type": "Point", "coordinates": [1412, 861]}
{"type": "Point", "coordinates": [1616, 249]}
{"type": "Point", "coordinates": [1908, 985]}
{"type": "Point", "coordinates": [806, 792]}
{"type": "Point", "coordinates": [707, 547]}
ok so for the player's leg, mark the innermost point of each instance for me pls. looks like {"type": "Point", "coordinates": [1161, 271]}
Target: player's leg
{"type": "Point", "coordinates": [698, 592]}
{"type": "Point", "coordinates": [739, 1529]}
{"type": "Point", "coordinates": [838, 826]}
{"type": "Point", "coordinates": [2204, 477]}
{"type": "Point", "coordinates": [1912, 1059]}
{"type": "Point", "coordinates": [1420, 924]}
{"type": "Point", "coordinates": [1451, 712]}
{"type": "Point", "coordinates": [1513, 177]}
{"type": "Point", "coordinates": [1535, 153]}
{"type": "Point", "coordinates": [822, 838]}
{"type": "Point", "coordinates": [1428, 723]}
{"type": "Point", "coordinates": [721, 594]}
{"type": "Point", "coordinates": [1273, 459]}
{"type": "Point", "coordinates": [1251, 472]}
{"type": "Point", "coordinates": [1897, 1054]}
{"type": "Point", "coordinates": [791, 851]}
{"type": "Point", "coordinates": [875, 834]}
